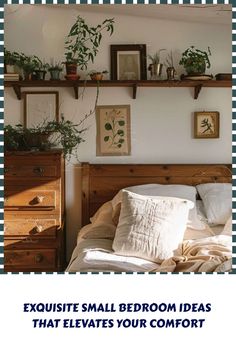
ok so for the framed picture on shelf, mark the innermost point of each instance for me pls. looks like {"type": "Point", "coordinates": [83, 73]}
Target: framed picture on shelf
{"type": "Point", "coordinates": [113, 130]}
{"type": "Point", "coordinates": [206, 125]}
{"type": "Point", "coordinates": [128, 62]}
{"type": "Point", "coordinates": [40, 106]}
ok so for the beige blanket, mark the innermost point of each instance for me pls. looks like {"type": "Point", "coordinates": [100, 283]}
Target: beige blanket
{"type": "Point", "coordinates": [211, 254]}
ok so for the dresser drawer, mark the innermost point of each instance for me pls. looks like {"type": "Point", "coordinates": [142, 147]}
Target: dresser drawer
{"type": "Point", "coordinates": [37, 258]}
{"type": "Point", "coordinates": [37, 170]}
{"type": "Point", "coordinates": [28, 227]}
{"type": "Point", "coordinates": [30, 199]}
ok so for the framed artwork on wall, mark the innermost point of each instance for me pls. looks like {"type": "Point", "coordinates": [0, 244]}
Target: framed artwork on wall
{"type": "Point", "coordinates": [128, 62]}
{"type": "Point", "coordinates": [40, 106]}
{"type": "Point", "coordinates": [206, 125]}
{"type": "Point", "coordinates": [113, 130]}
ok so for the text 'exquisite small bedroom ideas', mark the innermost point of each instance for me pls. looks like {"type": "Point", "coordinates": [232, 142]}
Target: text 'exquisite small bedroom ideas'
{"type": "Point", "coordinates": [166, 132]}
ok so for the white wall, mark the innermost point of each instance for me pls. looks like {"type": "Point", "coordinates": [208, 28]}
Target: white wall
{"type": "Point", "coordinates": [161, 118]}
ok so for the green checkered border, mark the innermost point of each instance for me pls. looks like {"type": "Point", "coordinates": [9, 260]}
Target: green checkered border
{"type": "Point", "coordinates": [108, 2]}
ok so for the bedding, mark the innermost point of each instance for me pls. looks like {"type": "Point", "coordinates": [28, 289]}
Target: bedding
{"type": "Point", "coordinates": [200, 251]}
{"type": "Point", "coordinates": [210, 254]}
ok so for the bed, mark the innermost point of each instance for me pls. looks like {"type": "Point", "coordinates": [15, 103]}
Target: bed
{"type": "Point", "coordinates": [104, 186]}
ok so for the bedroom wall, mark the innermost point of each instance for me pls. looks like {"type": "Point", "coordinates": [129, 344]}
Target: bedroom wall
{"type": "Point", "coordinates": [161, 118]}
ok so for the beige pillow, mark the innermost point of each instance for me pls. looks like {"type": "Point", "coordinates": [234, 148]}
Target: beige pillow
{"type": "Point", "coordinates": [150, 227]}
{"type": "Point", "coordinates": [103, 215]}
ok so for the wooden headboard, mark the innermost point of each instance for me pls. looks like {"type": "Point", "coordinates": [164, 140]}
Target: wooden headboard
{"type": "Point", "coordinates": [100, 182]}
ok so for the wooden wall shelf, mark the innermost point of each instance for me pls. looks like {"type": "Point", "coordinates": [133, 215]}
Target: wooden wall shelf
{"type": "Point", "coordinates": [196, 84]}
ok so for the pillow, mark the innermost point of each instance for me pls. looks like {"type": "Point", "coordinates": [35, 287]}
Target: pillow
{"type": "Point", "coordinates": [170, 190]}
{"type": "Point", "coordinates": [228, 227]}
{"type": "Point", "coordinates": [103, 215]}
{"type": "Point", "coordinates": [217, 200]}
{"type": "Point", "coordinates": [101, 231]}
{"type": "Point", "coordinates": [150, 227]}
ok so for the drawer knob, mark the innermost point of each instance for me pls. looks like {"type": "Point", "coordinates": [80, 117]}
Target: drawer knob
{"type": "Point", "coordinates": [37, 229]}
{"type": "Point", "coordinates": [38, 258]}
{"type": "Point", "coordinates": [38, 170]}
{"type": "Point", "coordinates": [39, 199]}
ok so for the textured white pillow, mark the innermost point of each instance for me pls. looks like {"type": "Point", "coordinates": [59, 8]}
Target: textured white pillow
{"type": "Point", "coordinates": [150, 227]}
{"type": "Point", "coordinates": [169, 190]}
{"type": "Point", "coordinates": [217, 200]}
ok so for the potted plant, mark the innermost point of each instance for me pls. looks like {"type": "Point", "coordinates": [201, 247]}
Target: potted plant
{"type": "Point", "coordinates": [28, 64]}
{"type": "Point", "coordinates": [64, 134]}
{"type": "Point", "coordinates": [82, 44]}
{"type": "Point", "coordinates": [155, 67]}
{"type": "Point", "coordinates": [40, 70]}
{"type": "Point", "coordinates": [195, 61]}
{"type": "Point", "coordinates": [170, 70]}
{"type": "Point", "coordinates": [55, 70]}
{"type": "Point", "coordinates": [97, 75]}
{"type": "Point", "coordinates": [10, 59]}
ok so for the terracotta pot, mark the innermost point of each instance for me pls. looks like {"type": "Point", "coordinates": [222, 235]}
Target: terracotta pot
{"type": "Point", "coordinates": [71, 69]}
{"type": "Point", "coordinates": [96, 76]}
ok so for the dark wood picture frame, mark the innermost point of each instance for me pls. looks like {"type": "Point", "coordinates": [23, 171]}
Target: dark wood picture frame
{"type": "Point", "coordinates": [206, 125]}
{"type": "Point", "coordinates": [55, 109]}
{"type": "Point", "coordinates": [140, 72]}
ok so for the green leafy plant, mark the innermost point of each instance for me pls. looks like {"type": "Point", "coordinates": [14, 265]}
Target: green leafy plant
{"type": "Point", "coordinates": [82, 42]}
{"type": "Point", "coordinates": [63, 134]}
{"type": "Point", "coordinates": [57, 66]}
{"type": "Point", "coordinates": [28, 63]}
{"type": "Point", "coordinates": [92, 72]}
{"type": "Point", "coordinates": [195, 61]}
{"type": "Point", "coordinates": [114, 128]}
{"type": "Point", "coordinates": [10, 58]}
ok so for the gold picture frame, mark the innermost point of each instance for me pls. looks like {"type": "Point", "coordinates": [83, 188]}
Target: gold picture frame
{"type": "Point", "coordinates": [206, 125]}
{"type": "Point", "coordinates": [113, 130]}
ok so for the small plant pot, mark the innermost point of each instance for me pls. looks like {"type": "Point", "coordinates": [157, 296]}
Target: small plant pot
{"type": "Point", "coordinates": [156, 71]}
{"type": "Point", "coordinates": [71, 69]}
{"type": "Point", "coordinates": [55, 74]}
{"type": "Point", "coordinates": [10, 69]}
{"type": "Point", "coordinates": [170, 71]}
{"type": "Point", "coordinates": [38, 141]}
{"type": "Point", "coordinates": [27, 75]}
{"type": "Point", "coordinates": [96, 76]}
{"type": "Point", "coordinates": [72, 77]}
{"type": "Point", "coordinates": [39, 75]}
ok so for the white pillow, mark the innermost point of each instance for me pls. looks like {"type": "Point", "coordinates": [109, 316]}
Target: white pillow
{"type": "Point", "coordinates": [217, 200]}
{"type": "Point", "coordinates": [150, 227]}
{"type": "Point", "coordinates": [169, 190]}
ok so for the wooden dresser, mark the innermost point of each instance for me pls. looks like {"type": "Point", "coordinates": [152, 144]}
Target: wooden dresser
{"type": "Point", "coordinates": [34, 214]}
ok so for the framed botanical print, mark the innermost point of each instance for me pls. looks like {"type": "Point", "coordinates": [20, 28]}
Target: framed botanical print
{"type": "Point", "coordinates": [113, 130]}
{"type": "Point", "coordinates": [128, 62]}
{"type": "Point", "coordinates": [206, 125]}
{"type": "Point", "coordinates": [40, 106]}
